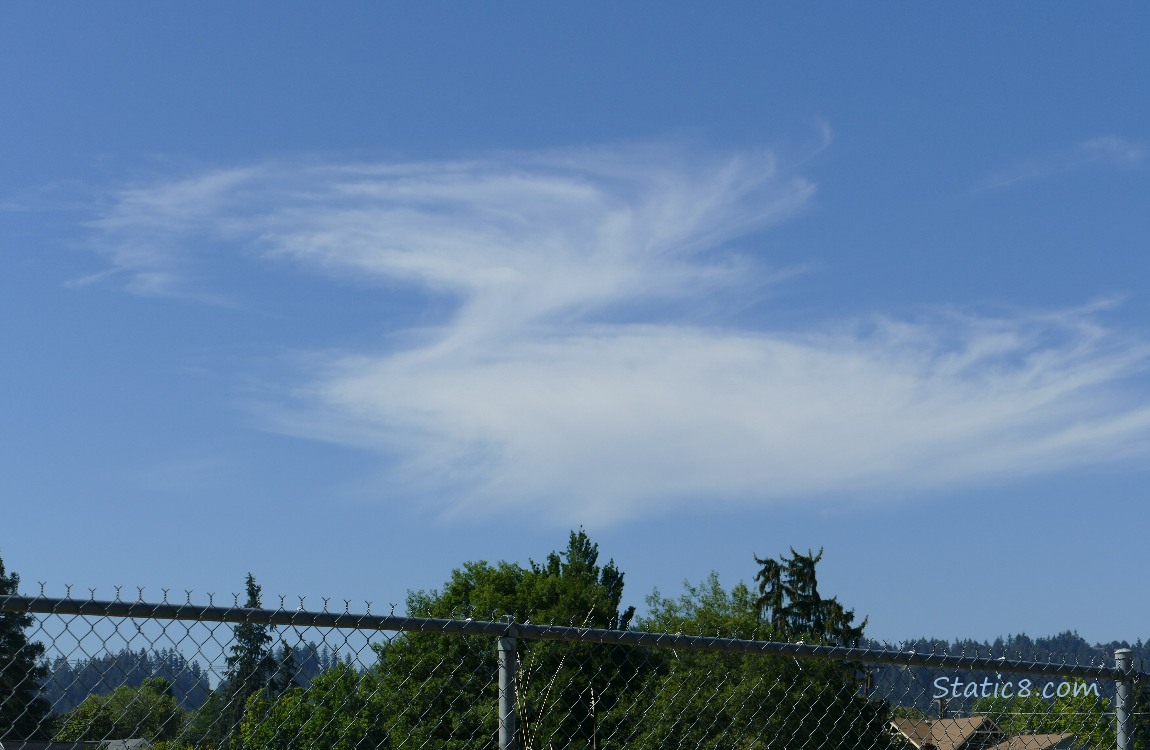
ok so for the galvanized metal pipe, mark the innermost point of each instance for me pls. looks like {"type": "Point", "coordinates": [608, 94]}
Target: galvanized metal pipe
{"type": "Point", "coordinates": [508, 668]}
{"type": "Point", "coordinates": [1122, 697]}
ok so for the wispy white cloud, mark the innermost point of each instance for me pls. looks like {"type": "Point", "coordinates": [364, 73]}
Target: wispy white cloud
{"type": "Point", "coordinates": [534, 397]}
{"type": "Point", "coordinates": [1114, 151]}
{"type": "Point", "coordinates": [609, 422]}
{"type": "Point", "coordinates": [1106, 151]}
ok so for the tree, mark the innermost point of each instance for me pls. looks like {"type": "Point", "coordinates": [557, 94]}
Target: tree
{"type": "Point", "coordinates": [572, 692]}
{"type": "Point", "coordinates": [1140, 720]}
{"type": "Point", "coordinates": [571, 586]}
{"type": "Point", "coordinates": [430, 689]}
{"type": "Point", "coordinates": [436, 688]}
{"type": "Point", "coordinates": [338, 711]}
{"type": "Point", "coordinates": [693, 699]}
{"type": "Point", "coordinates": [204, 727]}
{"type": "Point", "coordinates": [149, 711]}
{"type": "Point", "coordinates": [566, 691]}
{"type": "Point", "coordinates": [251, 666]}
{"type": "Point", "coordinates": [70, 682]}
{"type": "Point", "coordinates": [1088, 717]}
{"type": "Point", "coordinates": [789, 601]}
{"type": "Point", "coordinates": [22, 708]}
{"type": "Point", "coordinates": [286, 674]}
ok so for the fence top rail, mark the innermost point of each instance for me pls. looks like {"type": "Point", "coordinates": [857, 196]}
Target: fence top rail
{"type": "Point", "coordinates": [400, 623]}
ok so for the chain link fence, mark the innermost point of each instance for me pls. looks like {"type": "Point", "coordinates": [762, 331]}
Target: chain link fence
{"type": "Point", "coordinates": [127, 674]}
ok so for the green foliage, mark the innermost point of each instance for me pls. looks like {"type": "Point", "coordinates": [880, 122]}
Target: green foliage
{"type": "Point", "coordinates": [71, 681]}
{"type": "Point", "coordinates": [339, 711]}
{"type": "Point", "coordinates": [789, 600]}
{"type": "Point", "coordinates": [725, 699]}
{"type": "Point", "coordinates": [437, 690]}
{"type": "Point", "coordinates": [22, 709]}
{"type": "Point", "coordinates": [566, 690]}
{"type": "Point", "coordinates": [251, 666]}
{"type": "Point", "coordinates": [722, 700]}
{"type": "Point", "coordinates": [1140, 719]}
{"type": "Point", "coordinates": [714, 700]}
{"type": "Point", "coordinates": [707, 608]}
{"type": "Point", "coordinates": [573, 693]}
{"type": "Point", "coordinates": [204, 727]}
{"type": "Point", "coordinates": [571, 587]}
{"type": "Point", "coordinates": [149, 711]}
{"type": "Point", "coordinates": [424, 675]}
{"type": "Point", "coordinates": [286, 675]}
{"type": "Point", "coordinates": [1086, 716]}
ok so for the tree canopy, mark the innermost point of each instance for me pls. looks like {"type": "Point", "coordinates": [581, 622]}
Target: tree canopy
{"type": "Point", "coordinates": [23, 710]}
{"type": "Point", "coordinates": [251, 666]}
{"type": "Point", "coordinates": [789, 601]}
{"type": "Point", "coordinates": [695, 699]}
{"type": "Point", "coordinates": [1089, 717]}
{"type": "Point", "coordinates": [563, 688]}
{"type": "Point", "coordinates": [439, 690]}
{"type": "Point", "coordinates": [149, 711]}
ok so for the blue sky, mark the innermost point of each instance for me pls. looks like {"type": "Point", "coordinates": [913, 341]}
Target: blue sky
{"type": "Point", "coordinates": [348, 297]}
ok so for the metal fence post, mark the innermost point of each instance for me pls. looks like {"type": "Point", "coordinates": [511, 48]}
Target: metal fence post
{"type": "Point", "coordinates": [508, 666]}
{"type": "Point", "coordinates": [1122, 697]}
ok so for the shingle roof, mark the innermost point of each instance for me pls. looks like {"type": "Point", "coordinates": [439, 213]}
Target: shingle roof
{"type": "Point", "coordinates": [975, 733]}
{"type": "Point", "coordinates": [1038, 742]}
{"type": "Point", "coordinates": [949, 734]}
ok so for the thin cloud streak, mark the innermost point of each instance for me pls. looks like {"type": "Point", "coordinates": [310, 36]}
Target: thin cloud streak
{"type": "Point", "coordinates": [1106, 151]}
{"type": "Point", "coordinates": [537, 397]}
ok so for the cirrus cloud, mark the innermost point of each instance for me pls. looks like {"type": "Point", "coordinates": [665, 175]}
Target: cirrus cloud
{"type": "Point", "coordinates": [542, 395]}
{"type": "Point", "coordinates": [1103, 152]}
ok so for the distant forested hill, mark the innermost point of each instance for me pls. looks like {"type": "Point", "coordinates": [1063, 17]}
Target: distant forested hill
{"type": "Point", "coordinates": [70, 682]}
{"type": "Point", "coordinates": [914, 686]}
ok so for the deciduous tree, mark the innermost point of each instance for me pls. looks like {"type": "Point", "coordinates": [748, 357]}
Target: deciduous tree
{"type": "Point", "coordinates": [1088, 717]}
{"type": "Point", "coordinates": [693, 699]}
{"type": "Point", "coordinates": [567, 692]}
{"type": "Point", "coordinates": [149, 711]}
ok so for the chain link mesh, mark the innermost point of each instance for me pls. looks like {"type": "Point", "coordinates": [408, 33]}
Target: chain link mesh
{"type": "Point", "coordinates": [125, 674]}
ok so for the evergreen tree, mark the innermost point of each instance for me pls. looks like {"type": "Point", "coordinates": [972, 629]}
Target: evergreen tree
{"type": "Point", "coordinates": [22, 708]}
{"type": "Point", "coordinates": [204, 727]}
{"type": "Point", "coordinates": [790, 603]}
{"type": "Point", "coordinates": [572, 586]}
{"type": "Point", "coordinates": [251, 665]}
{"type": "Point", "coordinates": [286, 675]}
{"type": "Point", "coordinates": [69, 683]}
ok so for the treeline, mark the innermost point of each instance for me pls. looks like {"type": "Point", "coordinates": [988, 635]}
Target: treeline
{"type": "Point", "coordinates": [439, 690]}
{"type": "Point", "coordinates": [915, 686]}
{"type": "Point", "coordinates": [1066, 647]}
{"type": "Point", "coordinates": [69, 682]}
